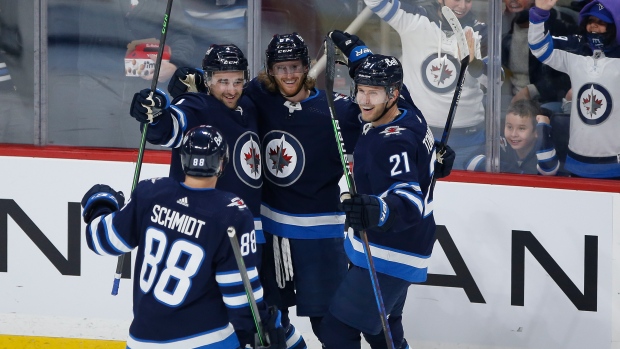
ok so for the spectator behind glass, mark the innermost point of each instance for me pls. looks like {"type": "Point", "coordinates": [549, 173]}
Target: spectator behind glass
{"type": "Point", "coordinates": [592, 62]}
{"type": "Point", "coordinates": [526, 146]}
{"type": "Point", "coordinates": [105, 31]}
{"type": "Point", "coordinates": [215, 22]}
{"type": "Point", "coordinates": [529, 78]}
{"type": "Point", "coordinates": [431, 66]}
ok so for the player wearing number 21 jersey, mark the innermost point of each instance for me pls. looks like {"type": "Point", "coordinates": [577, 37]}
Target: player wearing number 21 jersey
{"type": "Point", "coordinates": [187, 288]}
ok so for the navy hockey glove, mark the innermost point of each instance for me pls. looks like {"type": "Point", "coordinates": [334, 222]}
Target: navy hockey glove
{"type": "Point", "coordinates": [352, 46]}
{"type": "Point", "coordinates": [186, 80]}
{"type": "Point", "coordinates": [366, 212]}
{"type": "Point", "coordinates": [274, 329]}
{"type": "Point", "coordinates": [146, 107]}
{"type": "Point", "coordinates": [445, 161]}
{"type": "Point", "coordinates": [101, 199]}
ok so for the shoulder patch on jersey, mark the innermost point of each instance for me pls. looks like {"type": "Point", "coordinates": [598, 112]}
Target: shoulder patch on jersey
{"type": "Point", "coordinates": [392, 130]}
{"type": "Point", "coordinates": [237, 202]}
{"type": "Point", "coordinates": [247, 159]}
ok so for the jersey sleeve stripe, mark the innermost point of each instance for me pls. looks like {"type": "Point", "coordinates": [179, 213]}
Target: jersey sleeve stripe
{"type": "Point", "coordinates": [413, 198]}
{"type": "Point", "coordinates": [93, 237]}
{"type": "Point", "coordinates": [234, 277]}
{"type": "Point", "coordinates": [112, 236]}
{"type": "Point", "coordinates": [394, 7]}
{"type": "Point", "coordinates": [400, 185]}
{"type": "Point", "coordinates": [541, 44]}
{"type": "Point", "coordinates": [380, 6]}
{"type": "Point", "coordinates": [239, 300]}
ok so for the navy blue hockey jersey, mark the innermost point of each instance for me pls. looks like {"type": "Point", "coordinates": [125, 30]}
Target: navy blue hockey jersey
{"type": "Point", "coordinates": [302, 164]}
{"type": "Point", "coordinates": [243, 175]}
{"type": "Point", "coordinates": [396, 161]}
{"type": "Point", "coordinates": [187, 289]}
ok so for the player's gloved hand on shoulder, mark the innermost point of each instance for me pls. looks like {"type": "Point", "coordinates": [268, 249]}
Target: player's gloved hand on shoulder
{"type": "Point", "coordinates": [147, 106]}
{"type": "Point", "coordinates": [366, 212]}
{"type": "Point", "coordinates": [273, 327]}
{"type": "Point", "coordinates": [352, 46]}
{"type": "Point", "coordinates": [445, 160]}
{"type": "Point", "coordinates": [186, 79]}
{"type": "Point", "coordinates": [101, 199]}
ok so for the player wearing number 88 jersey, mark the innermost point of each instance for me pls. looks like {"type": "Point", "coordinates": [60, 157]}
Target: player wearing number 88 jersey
{"type": "Point", "coordinates": [187, 285]}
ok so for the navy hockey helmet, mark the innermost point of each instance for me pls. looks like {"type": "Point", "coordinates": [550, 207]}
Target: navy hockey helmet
{"type": "Point", "coordinates": [287, 47]}
{"type": "Point", "coordinates": [225, 58]}
{"type": "Point", "coordinates": [204, 152]}
{"type": "Point", "coordinates": [380, 70]}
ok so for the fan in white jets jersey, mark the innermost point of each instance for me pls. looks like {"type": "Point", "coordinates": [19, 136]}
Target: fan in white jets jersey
{"type": "Point", "coordinates": [187, 285]}
{"type": "Point", "coordinates": [431, 63]}
{"type": "Point", "coordinates": [592, 60]}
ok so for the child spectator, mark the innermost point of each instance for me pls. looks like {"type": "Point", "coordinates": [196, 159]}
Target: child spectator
{"type": "Point", "coordinates": [526, 146]}
{"type": "Point", "coordinates": [591, 61]}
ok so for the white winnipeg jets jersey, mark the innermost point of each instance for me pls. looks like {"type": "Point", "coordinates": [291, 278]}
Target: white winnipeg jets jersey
{"type": "Point", "coordinates": [431, 66]}
{"type": "Point", "coordinates": [594, 125]}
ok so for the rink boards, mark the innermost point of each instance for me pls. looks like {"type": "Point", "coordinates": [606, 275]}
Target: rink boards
{"type": "Point", "coordinates": [513, 266]}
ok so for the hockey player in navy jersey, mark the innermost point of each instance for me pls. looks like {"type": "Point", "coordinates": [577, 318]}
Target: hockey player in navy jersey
{"type": "Point", "coordinates": [220, 103]}
{"type": "Point", "coordinates": [394, 166]}
{"type": "Point", "coordinates": [187, 284]}
{"type": "Point", "coordinates": [304, 259]}
{"type": "Point", "coordinates": [592, 61]}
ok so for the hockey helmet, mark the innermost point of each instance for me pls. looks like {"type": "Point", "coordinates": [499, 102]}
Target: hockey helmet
{"type": "Point", "coordinates": [287, 47]}
{"type": "Point", "coordinates": [225, 58]}
{"type": "Point", "coordinates": [204, 152]}
{"type": "Point", "coordinates": [380, 70]}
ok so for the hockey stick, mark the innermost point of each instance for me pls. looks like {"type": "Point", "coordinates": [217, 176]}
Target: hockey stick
{"type": "Point", "coordinates": [464, 49]}
{"type": "Point", "coordinates": [136, 174]}
{"type": "Point", "coordinates": [232, 234]}
{"type": "Point", "coordinates": [330, 69]}
{"type": "Point", "coordinates": [357, 23]}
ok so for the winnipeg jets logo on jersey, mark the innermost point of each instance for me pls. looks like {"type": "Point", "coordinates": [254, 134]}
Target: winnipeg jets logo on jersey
{"type": "Point", "coordinates": [284, 158]}
{"type": "Point", "coordinates": [247, 159]}
{"type": "Point", "coordinates": [392, 130]}
{"type": "Point", "coordinates": [440, 73]}
{"type": "Point", "coordinates": [237, 202]}
{"type": "Point", "coordinates": [595, 104]}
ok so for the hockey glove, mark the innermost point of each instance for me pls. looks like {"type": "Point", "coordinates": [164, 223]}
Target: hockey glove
{"type": "Point", "coordinates": [186, 80]}
{"type": "Point", "coordinates": [445, 160]}
{"type": "Point", "coordinates": [366, 212]}
{"type": "Point", "coordinates": [147, 106]}
{"type": "Point", "coordinates": [274, 329]}
{"type": "Point", "coordinates": [352, 46]}
{"type": "Point", "coordinates": [101, 199]}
